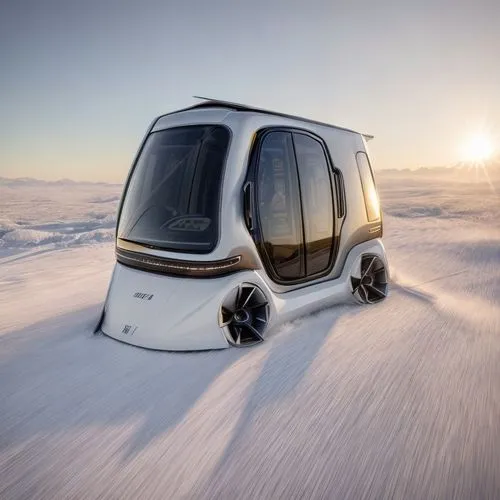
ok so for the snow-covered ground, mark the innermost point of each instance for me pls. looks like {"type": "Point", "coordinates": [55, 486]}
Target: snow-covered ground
{"type": "Point", "coordinates": [397, 400]}
{"type": "Point", "coordinates": [35, 214]}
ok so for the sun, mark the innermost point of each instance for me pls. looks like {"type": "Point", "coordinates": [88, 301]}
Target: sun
{"type": "Point", "coordinates": [478, 149]}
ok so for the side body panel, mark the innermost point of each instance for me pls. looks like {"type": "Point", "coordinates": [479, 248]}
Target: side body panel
{"type": "Point", "coordinates": [181, 314]}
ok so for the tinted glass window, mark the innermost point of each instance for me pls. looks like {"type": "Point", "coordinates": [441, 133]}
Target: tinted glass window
{"type": "Point", "coordinates": [317, 202]}
{"type": "Point", "coordinates": [369, 190]}
{"type": "Point", "coordinates": [172, 200]}
{"type": "Point", "coordinates": [279, 205]}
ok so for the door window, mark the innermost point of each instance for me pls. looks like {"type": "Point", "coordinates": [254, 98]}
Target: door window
{"type": "Point", "coordinates": [278, 201]}
{"type": "Point", "coordinates": [317, 202]}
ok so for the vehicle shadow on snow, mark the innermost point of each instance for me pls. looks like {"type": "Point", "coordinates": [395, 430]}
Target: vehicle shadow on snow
{"type": "Point", "coordinates": [291, 352]}
{"type": "Point", "coordinates": [294, 349]}
{"type": "Point", "coordinates": [56, 375]}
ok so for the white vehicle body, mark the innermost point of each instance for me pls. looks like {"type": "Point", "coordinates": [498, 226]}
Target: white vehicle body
{"type": "Point", "coordinates": [278, 217]}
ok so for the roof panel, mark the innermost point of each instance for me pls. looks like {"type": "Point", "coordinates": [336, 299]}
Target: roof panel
{"type": "Point", "coordinates": [209, 102]}
{"type": "Point", "coordinates": [243, 107]}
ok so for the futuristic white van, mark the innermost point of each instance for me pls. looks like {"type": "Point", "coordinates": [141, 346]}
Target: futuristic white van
{"type": "Point", "coordinates": [234, 220]}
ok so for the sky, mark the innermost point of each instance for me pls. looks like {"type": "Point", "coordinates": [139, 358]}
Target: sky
{"type": "Point", "coordinates": [81, 81]}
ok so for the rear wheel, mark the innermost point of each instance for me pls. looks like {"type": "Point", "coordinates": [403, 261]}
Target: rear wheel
{"type": "Point", "coordinates": [369, 282]}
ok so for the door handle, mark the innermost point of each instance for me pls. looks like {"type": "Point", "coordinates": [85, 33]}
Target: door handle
{"type": "Point", "coordinates": [248, 205]}
{"type": "Point", "coordinates": [340, 189]}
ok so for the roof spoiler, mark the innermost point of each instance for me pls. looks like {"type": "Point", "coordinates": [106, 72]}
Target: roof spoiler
{"type": "Point", "coordinates": [208, 101]}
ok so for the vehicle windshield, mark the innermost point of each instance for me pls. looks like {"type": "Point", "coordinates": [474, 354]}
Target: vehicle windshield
{"type": "Point", "coordinates": [173, 197]}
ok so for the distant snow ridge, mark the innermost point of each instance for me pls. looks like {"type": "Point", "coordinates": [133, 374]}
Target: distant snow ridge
{"type": "Point", "coordinates": [6, 226]}
{"type": "Point", "coordinates": [60, 234]}
{"type": "Point", "coordinates": [40, 214]}
{"type": "Point", "coordinates": [104, 199]}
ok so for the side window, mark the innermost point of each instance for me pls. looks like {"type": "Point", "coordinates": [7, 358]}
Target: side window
{"type": "Point", "coordinates": [317, 202]}
{"type": "Point", "coordinates": [369, 190]}
{"type": "Point", "coordinates": [278, 202]}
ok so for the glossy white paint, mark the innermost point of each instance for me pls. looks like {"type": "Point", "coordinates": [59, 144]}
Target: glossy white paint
{"type": "Point", "coordinates": [181, 314]}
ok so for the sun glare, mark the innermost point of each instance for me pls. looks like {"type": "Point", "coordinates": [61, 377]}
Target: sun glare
{"type": "Point", "coordinates": [478, 155]}
{"type": "Point", "coordinates": [479, 149]}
